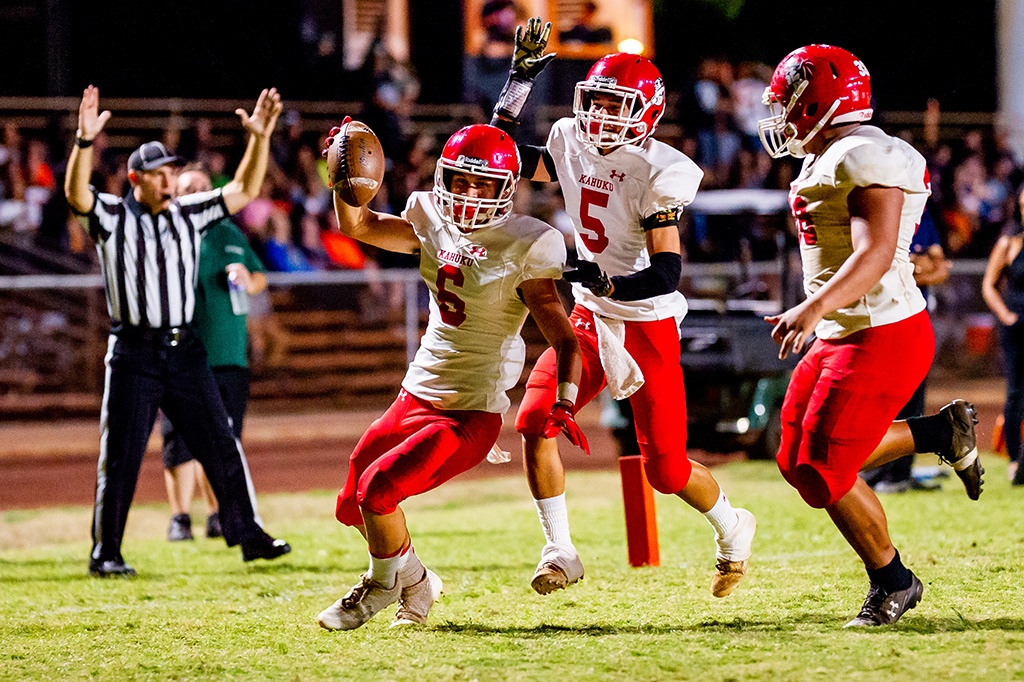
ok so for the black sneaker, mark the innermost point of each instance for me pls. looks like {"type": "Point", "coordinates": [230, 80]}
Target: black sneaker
{"type": "Point", "coordinates": [111, 568]}
{"type": "Point", "coordinates": [264, 547]}
{"type": "Point", "coordinates": [213, 529]}
{"type": "Point", "coordinates": [885, 609]}
{"type": "Point", "coordinates": [962, 454]}
{"type": "Point", "coordinates": [180, 528]}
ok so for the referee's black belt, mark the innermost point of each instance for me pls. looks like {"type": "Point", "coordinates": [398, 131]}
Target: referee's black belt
{"type": "Point", "coordinates": [158, 336]}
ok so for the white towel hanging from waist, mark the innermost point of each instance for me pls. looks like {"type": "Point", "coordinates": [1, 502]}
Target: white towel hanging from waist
{"type": "Point", "coordinates": [623, 374]}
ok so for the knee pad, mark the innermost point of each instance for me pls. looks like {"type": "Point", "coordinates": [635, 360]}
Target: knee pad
{"type": "Point", "coordinates": [377, 494]}
{"type": "Point", "coordinates": [533, 412]}
{"type": "Point", "coordinates": [668, 475]}
{"type": "Point", "coordinates": [815, 489]}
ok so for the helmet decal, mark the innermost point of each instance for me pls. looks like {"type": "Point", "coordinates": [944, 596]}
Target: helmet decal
{"type": "Point", "coordinates": [659, 93]}
{"type": "Point", "coordinates": [464, 160]}
{"type": "Point", "coordinates": [797, 70]}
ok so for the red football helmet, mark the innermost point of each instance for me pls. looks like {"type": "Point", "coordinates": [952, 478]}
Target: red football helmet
{"type": "Point", "coordinates": [485, 152]}
{"type": "Point", "coordinates": [620, 102]}
{"type": "Point", "coordinates": [813, 87]}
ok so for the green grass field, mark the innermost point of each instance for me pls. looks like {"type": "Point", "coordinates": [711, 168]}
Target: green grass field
{"type": "Point", "coordinates": [197, 612]}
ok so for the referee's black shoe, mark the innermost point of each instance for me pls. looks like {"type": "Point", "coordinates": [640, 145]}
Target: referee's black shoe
{"type": "Point", "coordinates": [264, 547]}
{"type": "Point", "coordinates": [111, 568]}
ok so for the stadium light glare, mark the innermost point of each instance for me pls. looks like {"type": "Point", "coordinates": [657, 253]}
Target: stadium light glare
{"type": "Point", "coordinates": [631, 45]}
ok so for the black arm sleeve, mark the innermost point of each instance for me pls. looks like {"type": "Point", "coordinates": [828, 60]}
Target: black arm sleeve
{"type": "Point", "coordinates": [531, 157]}
{"type": "Point", "coordinates": [661, 277]}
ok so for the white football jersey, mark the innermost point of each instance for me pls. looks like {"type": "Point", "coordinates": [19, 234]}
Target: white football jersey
{"type": "Point", "coordinates": [608, 197]}
{"type": "Point", "coordinates": [472, 352]}
{"type": "Point", "coordinates": [866, 156]}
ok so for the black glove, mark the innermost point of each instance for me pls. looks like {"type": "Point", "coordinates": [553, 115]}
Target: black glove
{"type": "Point", "coordinates": [528, 61]}
{"type": "Point", "coordinates": [529, 58]}
{"type": "Point", "coordinates": [590, 275]}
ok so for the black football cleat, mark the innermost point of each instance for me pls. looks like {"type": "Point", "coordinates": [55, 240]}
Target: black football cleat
{"type": "Point", "coordinates": [264, 547]}
{"type": "Point", "coordinates": [962, 453]}
{"type": "Point", "coordinates": [885, 609]}
{"type": "Point", "coordinates": [110, 568]}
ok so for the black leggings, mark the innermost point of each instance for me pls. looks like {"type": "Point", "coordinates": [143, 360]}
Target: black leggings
{"type": "Point", "coordinates": [1012, 340]}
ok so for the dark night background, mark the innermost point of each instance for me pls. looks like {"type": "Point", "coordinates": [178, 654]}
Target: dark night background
{"type": "Point", "coordinates": [233, 48]}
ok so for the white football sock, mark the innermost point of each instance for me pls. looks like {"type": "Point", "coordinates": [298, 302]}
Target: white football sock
{"type": "Point", "coordinates": [554, 519]}
{"type": "Point", "coordinates": [410, 570]}
{"type": "Point", "coordinates": [722, 516]}
{"type": "Point", "coordinates": [384, 570]}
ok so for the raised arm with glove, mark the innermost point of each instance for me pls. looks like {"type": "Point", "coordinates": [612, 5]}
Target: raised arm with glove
{"type": "Point", "coordinates": [528, 61]}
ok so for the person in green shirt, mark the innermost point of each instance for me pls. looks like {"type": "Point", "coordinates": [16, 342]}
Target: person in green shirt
{"type": "Point", "coordinates": [229, 271]}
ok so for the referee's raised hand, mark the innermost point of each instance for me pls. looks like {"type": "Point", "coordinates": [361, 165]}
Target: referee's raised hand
{"type": "Point", "coordinates": [90, 121]}
{"type": "Point", "coordinates": [264, 116]}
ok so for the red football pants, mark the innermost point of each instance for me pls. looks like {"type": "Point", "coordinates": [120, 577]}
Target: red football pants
{"type": "Point", "coordinates": [412, 448]}
{"type": "Point", "coordinates": [842, 397]}
{"type": "Point", "coordinates": [659, 406]}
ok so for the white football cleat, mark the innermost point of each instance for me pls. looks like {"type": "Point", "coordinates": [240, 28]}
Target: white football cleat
{"type": "Point", "coordinates": [416, 599]}
{"type": "Point", "coordinates": [559, 567]}
{"type": "Point", "coordinates": [361, 604]}
{"type": "Point", "coordinates": [733, 552]}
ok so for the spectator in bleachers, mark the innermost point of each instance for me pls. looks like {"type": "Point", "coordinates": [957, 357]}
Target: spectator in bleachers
{"type": "Point", "coordinates": [268, 226]}
{"type": "Point", "coordinates": [962, 217]}
{"type": "Point", "coordinates": [284, 147]}
{"type": "Point", "coordinates": [393, 90]}
{"type": "Point", "coordinates": [484, 74]}
{"type": "Point", "coordinates": [751, 80]}
{"type": "Point", "coordinates": [585, 30]}
{"type": "Point", "coordinates": [29, 181]}
{"type": "Point", "coordinates": [710, 87]}
{"type": "Point", "coordinates": [995, 209]}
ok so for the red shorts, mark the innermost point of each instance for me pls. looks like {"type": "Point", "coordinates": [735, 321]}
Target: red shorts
{"type": "Point", "coordinates": [413, 447]}
{"type": "Point", "coordinates": [659, 406]}
{"type": "Point", "coordinates": [842, 397]}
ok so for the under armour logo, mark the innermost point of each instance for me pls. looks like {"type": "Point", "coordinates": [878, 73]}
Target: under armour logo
{"type": "Point", "coordinates": [477, 251]}
{"type": "Point", "coordinates": [402, 394]}
{"type": "Point", "coordinates": [894, 608]}
{"type": "Point", "coordinates": [616, 175]}
{"type": "Point", "coordinates": [583, 323]}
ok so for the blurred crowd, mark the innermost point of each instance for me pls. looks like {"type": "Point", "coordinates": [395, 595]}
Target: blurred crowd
{"type": "Point", "coordinates": [713, 119]}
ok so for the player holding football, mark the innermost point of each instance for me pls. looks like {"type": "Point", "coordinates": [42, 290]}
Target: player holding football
{"type": "Point", "coordinates": [857, 201]}
{"type": "Point", "coordinates": [485, 267]}
{"type": "Point", "coordinates": [624, 191]}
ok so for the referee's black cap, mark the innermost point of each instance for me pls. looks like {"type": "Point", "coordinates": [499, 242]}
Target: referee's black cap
{"type": "Point", "coordinates": [151, 156]}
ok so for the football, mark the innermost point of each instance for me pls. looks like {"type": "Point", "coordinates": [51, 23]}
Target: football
{"type": "Point", "coordinates": [355, 164]}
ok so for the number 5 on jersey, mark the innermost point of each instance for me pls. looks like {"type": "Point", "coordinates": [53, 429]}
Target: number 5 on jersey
{"type": "Point", "coordinates": [599, 241]}
{"type": "Point", "coordinates": [453, 308]}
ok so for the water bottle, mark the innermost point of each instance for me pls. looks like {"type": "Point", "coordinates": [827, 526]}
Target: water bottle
{"type": "Point", "coordinates": [239, 297]}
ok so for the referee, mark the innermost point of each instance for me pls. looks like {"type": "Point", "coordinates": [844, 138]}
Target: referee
{"type": "Point", "coordinates": [148, 244]}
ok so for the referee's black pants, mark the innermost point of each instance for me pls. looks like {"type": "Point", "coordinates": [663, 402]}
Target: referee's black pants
{"type": "Point", "coordinates": [165, 369]}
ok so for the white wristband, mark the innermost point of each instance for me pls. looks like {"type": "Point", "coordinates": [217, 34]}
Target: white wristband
{"type": "Point", "coordinates": [568, 391]}
{"type": "Point", "coordinates": [513, 98]}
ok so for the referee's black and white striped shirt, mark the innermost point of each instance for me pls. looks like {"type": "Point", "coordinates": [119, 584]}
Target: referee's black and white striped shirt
{"type": "Point", "coordinates": [150, 261]}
